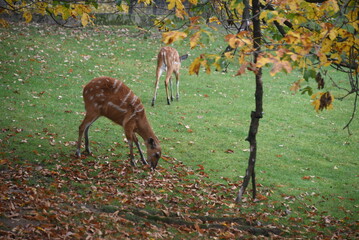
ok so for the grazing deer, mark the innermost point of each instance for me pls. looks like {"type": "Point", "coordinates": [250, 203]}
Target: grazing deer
{"type": "Point", "coordinates": [168, 60]}
{"type": "Point", "coordinates": [105, 96]}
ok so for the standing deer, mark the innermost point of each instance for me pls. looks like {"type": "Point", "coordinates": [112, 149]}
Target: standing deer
{"type": "Point", "coordinates": [168, 60]}
{"type": "Point", "coordinates": [105, 96]}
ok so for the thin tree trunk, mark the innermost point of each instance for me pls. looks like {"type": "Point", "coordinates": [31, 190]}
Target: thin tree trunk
{"type": "Point", "coordinates": [257, 114]}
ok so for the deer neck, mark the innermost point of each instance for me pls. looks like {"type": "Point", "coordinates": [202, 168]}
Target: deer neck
{"type": "Point", "coordinates": [144, 129]}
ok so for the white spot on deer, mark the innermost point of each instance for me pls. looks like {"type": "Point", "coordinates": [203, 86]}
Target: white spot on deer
{"type": "Point", "coordinates": [114, 84]}
{"type": "Point", "coordinates": [134, 100]}
{"type": "Point", "coordinates": [125, 99]}
{"type": "Point", "coordinates": [117, 107]}
{"type": "Point", "coordinates": [118, 87]}
{"type": "Point", "coordinates": [139, 108]}
{"type": "Point", "coordinates": [132, 115]}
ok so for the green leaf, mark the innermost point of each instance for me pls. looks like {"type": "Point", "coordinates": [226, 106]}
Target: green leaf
{"type": "Point", "coordinates": [308, 90]}
{"type": "Point", "coordinates": [309, 73]}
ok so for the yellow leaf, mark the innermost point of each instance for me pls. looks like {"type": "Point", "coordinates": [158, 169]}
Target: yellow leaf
{"type": "Point", "coordinates": [4, 23]}
{"type": "Point", "coordinates": [195, 65]}
{"type": "Point", "coordinates": [123, 8]}
{"type": "Point", "coordinates": [85, 19]}
{"type": "Point", "coordinates": [228, 55]}
{"type": "Point", "coordinates": [333, 5]}
{"type": "Point", "coordinates": [214, 19]}
{"type": "Point", "coordinates": [263, 14]}
{"type": "Point", "coordinates": [194, 39]}
{"type": "Point", "coordinates": [172, 36]}
{"type": "Point", "coordinates": [336, 58]}
{"type": "Point", "coordinates": [262, 61]}
{"type": "Point", "coordinates": [293, 5]}
{"type": "Point", "coordinates": [28, 16]}
{"type": "Point", "coordinates": [79, 9]}
{"type": "Point", "coordinates": [41, 8]}
{"type": "Point", "coordinates": [235, 41]}
{"type": "Point", "coordinates": [333, 34]}
{"type": "Point", "coordinates": [279, 66]}
{"type": "Point", "coordinates": [63, 11]}
{"type": "Point", "coordinates": [194, 2]}
{"type": "Point", "coordinates": [146, 2]}
{"type": "Point", "coordinates": [175, 3]}
{"type": "Point", "coordinates": [180, 13]}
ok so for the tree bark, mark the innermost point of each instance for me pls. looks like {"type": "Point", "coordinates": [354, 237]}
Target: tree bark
{"type": "Point", "coordinates": [258, 113]}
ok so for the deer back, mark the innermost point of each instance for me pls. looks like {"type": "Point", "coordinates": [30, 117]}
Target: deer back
{"type": "Point", "coordinates": [111, 98]}
{"type": "Point", "coordinates": [169, 59]}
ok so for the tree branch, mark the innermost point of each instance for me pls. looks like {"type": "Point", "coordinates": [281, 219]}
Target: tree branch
{"type": "Point", "coordinates": [203, 222]}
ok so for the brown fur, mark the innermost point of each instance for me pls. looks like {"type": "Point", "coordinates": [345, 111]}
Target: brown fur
{"type": "Point", "coordinates": [168, 60]}
{"type": "Point", "coordinates": [105, 96]}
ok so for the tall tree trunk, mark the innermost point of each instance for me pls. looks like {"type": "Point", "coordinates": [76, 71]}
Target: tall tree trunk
{"type": "Point", "coordinates": [258, 113]}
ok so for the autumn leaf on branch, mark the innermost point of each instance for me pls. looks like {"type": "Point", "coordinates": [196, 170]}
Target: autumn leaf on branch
{"type": "Point", "coordinates": [85, 19]}
{"type": "Point", "coordinates": [278, 64]}
{"type": "Point", "coordinates": [214, 19]}
{"type": "Point", "coordinates": [320, 80]}
{"type": "Point", "coordinates": [27, 16]}
{"type": "Point", "coordinates": [123, 8]}
{"type": "Point", "coordinates": [194, 39]}
{"type": "Point", "coordinates": [296, 85]}
{"type": "Point", "coordinates": [146, 2]}
{"type": "Point", "coordinates": [205, 60]}
{"type": "Point", "coordinates": [238, 40]}
{"type": "Point", "coordinates": [175, 3]}
{"type": "Point", "coordinates": [322, 100]}
{"type": "Point", "coordinates": [195, 65]}
{"type": "Point", "coordinates": [3, 22]}
{"type": "Point", "coordinates": [172, 36]}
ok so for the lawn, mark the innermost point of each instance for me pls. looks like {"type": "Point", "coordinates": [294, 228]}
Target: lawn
{"type": "Point", "coordinates": [307, 165]}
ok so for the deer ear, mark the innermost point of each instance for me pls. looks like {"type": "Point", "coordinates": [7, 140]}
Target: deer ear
{"type": "Point", "coordinates": [152, 143]}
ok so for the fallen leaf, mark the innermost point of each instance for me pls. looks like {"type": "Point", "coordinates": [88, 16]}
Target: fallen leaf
{"type": "Point", "coordinates": [229, 151]}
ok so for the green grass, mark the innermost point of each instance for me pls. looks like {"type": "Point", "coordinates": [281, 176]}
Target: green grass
{"type": "Point", "coordinates": [44, 68]}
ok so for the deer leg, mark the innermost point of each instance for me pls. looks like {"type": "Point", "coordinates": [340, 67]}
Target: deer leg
{"type": "Point", "coordinates": [131, 137]}
{"type": "Point", "coordinates": [140, 151]}
{"type": "Point", "coordinates": [167, 95]}
{"type": "Point", "coordinates": [130, 143]}
{"type": "Point", "coordinates": [158, 75]}
{"type": "Point", "coordinates": [167, 81]}
{"type": "Point", "coordinates": [177, 85]}
{"type": "Point", "coordinates": [84, 128]}
{"type": "Point", "coordinates": [171, 88]}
